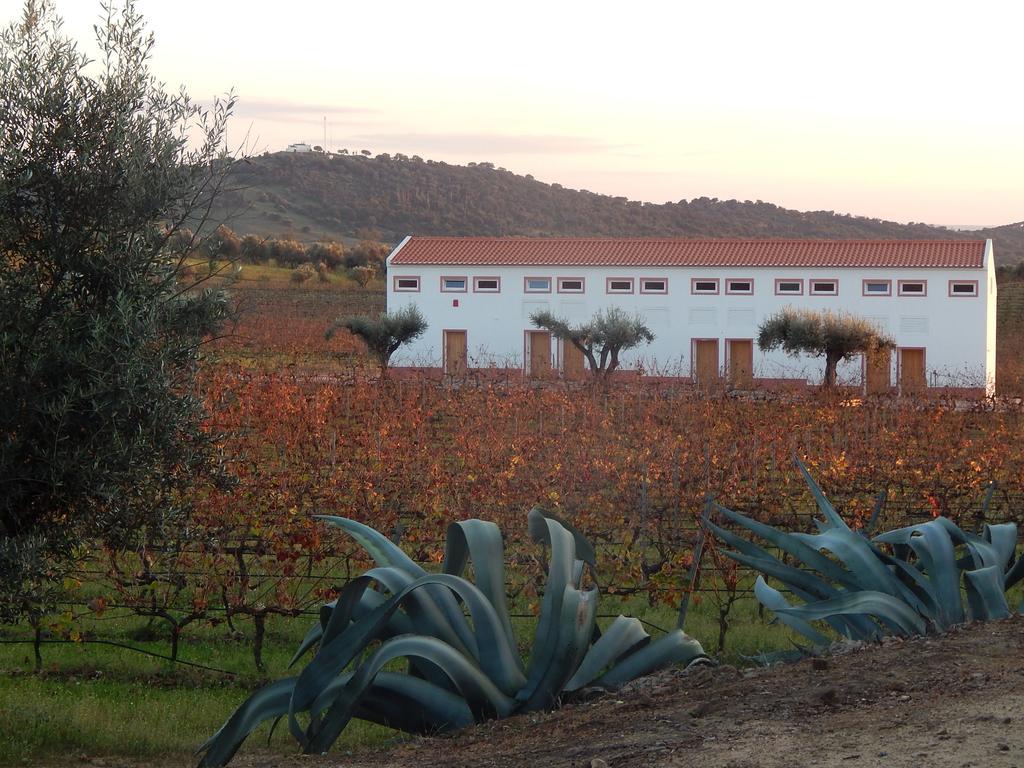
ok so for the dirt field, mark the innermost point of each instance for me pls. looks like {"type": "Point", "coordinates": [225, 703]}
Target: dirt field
{"type": "Point", "coordinates": [951, 701]}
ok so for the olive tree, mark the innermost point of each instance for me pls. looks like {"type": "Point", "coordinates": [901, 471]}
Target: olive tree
{"type": "Point", "coordinates": [601, 338]}
{"type": "Point", "coordinates": [384, 334]}
{"type": "Point", "coordinates": [101, 423]}
{"type": "Point", "coordinates": [835, 336]}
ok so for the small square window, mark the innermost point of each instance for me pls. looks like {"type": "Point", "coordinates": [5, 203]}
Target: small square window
{"type": "Point", "coordinates": [784, 287]}
{"type": "Point", "coordinates": [619, 285]}
{"type": "Point", "coordinates": [824, 287]}
{"type": "Point", "coordinates": [912, 287]}
{"type": "Point", "coordinates": [537, 285]}
{"type": "Point", "coordinates": [405, 283]}
{"type": "Point", "coordinates": [486, 284]}
{"type": "Point", "coordinates": [570, 285]}
{"type": "Point", "coordinates": [878, 287]}
{"type": "Point", "coordinates": [453, 284]}
{"type": "Point", "coordinates": [653, 285]}
{"type": "Point", "coordinates": [704, 285]}
{"type": "Point", "coordinates": [963, 287]}
{"type": "Point", "coordinates": [739, 286]}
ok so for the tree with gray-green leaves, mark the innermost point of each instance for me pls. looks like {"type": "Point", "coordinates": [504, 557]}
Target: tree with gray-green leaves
{"type": "Point", "coordinates": [384, 334]}
{"type": "Point", "coordinates": [836, 336]}
{"type": "Point", "coordinates": [601, 338]}
{"type": "Point", "coordinates": [101, 330]}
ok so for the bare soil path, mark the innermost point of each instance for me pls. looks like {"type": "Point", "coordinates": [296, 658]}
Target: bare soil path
{"type": "Point", "coordinates": [957, 700]}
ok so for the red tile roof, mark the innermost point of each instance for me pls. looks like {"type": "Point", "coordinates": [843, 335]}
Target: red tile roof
{"type": "Point", "coordinates": [645, 252]}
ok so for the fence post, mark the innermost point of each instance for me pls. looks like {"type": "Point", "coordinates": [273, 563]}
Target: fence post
{"type": "Point", "coordinates": [698, 554]}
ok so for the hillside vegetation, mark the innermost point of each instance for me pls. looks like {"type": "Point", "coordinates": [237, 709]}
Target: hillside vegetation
{"type": "Point", "coordinates": [320, 197]}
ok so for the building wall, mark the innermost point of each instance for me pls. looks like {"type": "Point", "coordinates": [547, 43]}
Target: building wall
{"type": "Point", "coordinates": [958, 333]}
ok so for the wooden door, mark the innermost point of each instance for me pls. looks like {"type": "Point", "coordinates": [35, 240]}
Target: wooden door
{"type": "Point", "coordinates": [741, 363]}
{"type": "Point", "coordinates": [455, 353]}
{"type": "Point", "coordinates": [877, 378]}
{"type": "Point", "coordinates": [540, 354]}
{"type": "Point", "coordinates": [705, 361]}
{"type": "Point", "coordinates": [912, 374]}
{"type": "Point", "coordinates": [573, 366]}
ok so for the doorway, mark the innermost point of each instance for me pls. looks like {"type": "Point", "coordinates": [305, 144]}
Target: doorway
{"type": "Point", "coordinates": [741, 363]}
{"type": "Point", "coordinates": [538, 350]}
{"type": "Point", "coordinates": [877, 374]}
{"type": "Point", "coordinates": [455, 353]}
{"type": "Point", "coordinates": [705, 362]}
{"type": "Point", "coordinates": [912, 377]}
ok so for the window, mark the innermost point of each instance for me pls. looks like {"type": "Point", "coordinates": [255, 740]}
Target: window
{"type": "Point", "coordinates": [912, 287]}
{"type": "Point", "coordinates": [878, 287]}
{"type": "Point", "coordinates": [405, 283]}
{"type": "Point", "coordinates": [537, 285]}
{"type": "Point", "coordinates": [704, 285]}
{"type": "Point", "coordinates": [619, 285]}
{"type": "Point", "coordinates": [786, 287]}
{"type": "Point", "coordinates": [963, 287]}
{"type": "Point", "coordinates": [653, 285]}
{"type": "Point", "coordinates": [486, 284]}
{"type": "Point", "coordinates": [824, 287]}
{"type": "Point", "coordinates": [570, 285]}
{"type": "Point", "coordinates": [453, 284]}
{"type": "Point", "coordinates": [739, 286]}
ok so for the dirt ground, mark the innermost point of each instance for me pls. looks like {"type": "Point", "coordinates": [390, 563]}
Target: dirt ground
{"type": "Point", "coordinates": [957, 700]}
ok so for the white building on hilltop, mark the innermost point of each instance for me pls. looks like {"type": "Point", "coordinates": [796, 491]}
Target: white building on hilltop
{"type": "Point", "coordinates": [704, 300]}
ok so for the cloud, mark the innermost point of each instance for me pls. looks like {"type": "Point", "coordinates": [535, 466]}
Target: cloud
{"type": "Point", "coordinates": [267, 107]}
{"type": "Point", "coordinates": [489, 144]}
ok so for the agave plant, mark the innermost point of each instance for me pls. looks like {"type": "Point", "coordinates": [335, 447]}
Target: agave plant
{"type": "Point", "coordinates": [461, 670]}
{"type": "Point", "coordinates": [909, 581]}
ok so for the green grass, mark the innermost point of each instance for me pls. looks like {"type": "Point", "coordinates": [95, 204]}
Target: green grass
{"type": "Point", "coordinates": [98, 700]}
{"type": "Point", "coordinates": [101, 701]}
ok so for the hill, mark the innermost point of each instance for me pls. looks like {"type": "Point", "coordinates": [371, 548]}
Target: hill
{"type": "Point", "coordinates": [317, 196]}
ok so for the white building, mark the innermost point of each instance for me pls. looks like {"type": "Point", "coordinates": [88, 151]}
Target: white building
{"type": "Point", "coordinates": [704, 300]}
{"type": "Point", "coordinates": [300, 148]}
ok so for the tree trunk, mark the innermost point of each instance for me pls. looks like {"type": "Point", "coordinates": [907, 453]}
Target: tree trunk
{"type": "Point", "coordinates": [37, 642]}
{"type": "Point", "coordinates": [259, 620]}
{"type": "Point", "coordinates": [831, 361]}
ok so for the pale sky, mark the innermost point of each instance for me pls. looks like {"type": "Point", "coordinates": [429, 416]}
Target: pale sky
{"type": "Point", "coordinates": [910, 111]}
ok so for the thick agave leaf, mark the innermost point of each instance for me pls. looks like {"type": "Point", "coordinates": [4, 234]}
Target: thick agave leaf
{"type": "Point", "coordinates": [885, 607]}
{"type": "Point", "coordinates": [936, 553]}
{"type": "Point", "coordinates": [773, 600]}
{"type": "Point", "coordinates": [497, 656]}
{"type": "Point", "coordinates": [560, 661]}
{"type": "Point", "coordinates": [1014, 575]}
{"type": "Point", "coordinates": [388, 554]}
{"type": "Point", "coordinates": [623, 635]}
{"type": "Point", "coordinates": [792, 545]}
{"type": "Point", "coordinates": [793, 578]}
{"type": "Point", "coordinates": [266, 704]}
{"type": "Point", "coordinates": [482, 696]}
{"type": "Point", "coordinates": [395, 700]}
{"type": "Point", "coordinates": [917, 582]}
{"type": "Point", "coordinates": [406, 703]}
{"type": "Point", "coordinates": [479, 541]}
{"type": "Point", "coordinates": [832, 518]}
{"type": "Point", "coordinates": [985, 594]}
{"type": "Point", "coordinates": [1003, 538]}
{"type": "Point", "coordinates": [423, 610]}
{"type": "Point", "coordinates": [675, 647]}
{"type": "Point", "coordinates": [860, 559]}
{"type": "Point", "coordinates": [384, 551]}
{"type": "Point", "coordinates": [313, 636]}
{"type": "Point", "coordinates": [560, 572]}
{"type": "Point", "coordinates": [498, 659]}
{"type": "Point", "coordinates": [399, 624]}
{"type": "Point", "coordinates": [584, 549]}
{"type": "Point", "coordinates": [803, 584]}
